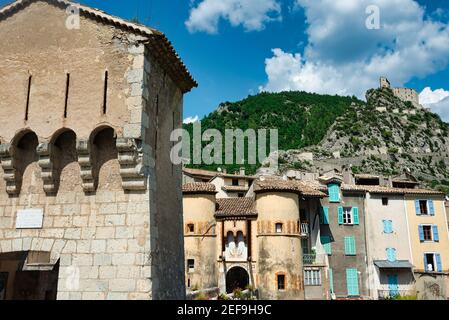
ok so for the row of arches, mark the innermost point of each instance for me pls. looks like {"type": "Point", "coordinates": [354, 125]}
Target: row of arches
{"type": "Point", "coordinates": [32, 166]}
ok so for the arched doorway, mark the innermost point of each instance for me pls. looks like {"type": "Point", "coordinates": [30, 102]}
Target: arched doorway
{"type": "Point", "coordinates": [236, 277]}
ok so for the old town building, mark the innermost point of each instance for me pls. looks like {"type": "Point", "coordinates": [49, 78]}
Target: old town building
{"type": "Point", "coordinates": [89, 200]}
{"type": "Point", "coordinates": [329, 236]}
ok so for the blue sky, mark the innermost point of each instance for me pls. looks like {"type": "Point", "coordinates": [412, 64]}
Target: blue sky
{"type": "Point", "coordinates": [239, 47]}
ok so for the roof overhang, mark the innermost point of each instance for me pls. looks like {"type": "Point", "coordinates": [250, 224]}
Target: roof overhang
{"type": "Point", "coordinates": [398, 264]}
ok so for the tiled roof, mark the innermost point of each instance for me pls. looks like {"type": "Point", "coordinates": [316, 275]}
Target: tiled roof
{"type": "Point", "coordinates": [160, 46]}
{"type": "Point", "coordinates": [235, 188]}
{"type": "Point", "coordinates": [388, 190]}
{"type": "Point", "coordinates": [366, 176]}
{"type": "Point", "coordinates": [198, 187]}
{"type": "Point", "coordinates": [235, 207]}
{"type": "Point", "coordinates": [212, 174]}
{"type": "Point", "coordinates": [272, 184]}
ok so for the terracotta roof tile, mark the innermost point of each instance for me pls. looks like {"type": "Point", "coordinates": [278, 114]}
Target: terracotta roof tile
{"type": "Point", "coordinates": [235, 207]}
{"type": "Point", "coordinates": [273, 184]}
{"type": "Point", "coordinates": [198, 187]}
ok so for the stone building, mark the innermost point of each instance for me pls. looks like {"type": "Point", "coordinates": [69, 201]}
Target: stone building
{"type": "Point", "coordinates": [89, 201]}
{"type": "Point", "coordinates": [264, 240]}
{"type": "Point", "coordinates": [404, 94]}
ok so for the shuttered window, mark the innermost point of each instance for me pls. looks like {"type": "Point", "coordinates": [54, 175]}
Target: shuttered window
{"type": "Point", "coordinates": [350, 249]}
{"type": "Point", "coordinates": [352, 282]}
{"type": "Point", "coordinates": [334, 192]}
{"type": "Point", "coordinates": [391, 254]}
{"type": "Point", "coordinates": [324, 215]}
{"type": "Point", "coordinates": [388, 226]}
{"type": "Point", "coordinates": [326, 242]}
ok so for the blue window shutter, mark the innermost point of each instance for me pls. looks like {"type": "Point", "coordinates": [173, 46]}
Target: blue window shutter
{"type": "Point", "coordinates": [355, 215]}
{"type": "Point", "coordinates": [388, 226]}
{"type": "Point", "coordinates": [391, 254]}
{"type": "Point", "coordinates": [326, 215]}
{"type": "Point", "coordinates": [435, 233]}
{"type": "Point", "coordinates": [421, 233]}
{"type": "Point", "coordinates": [417, 208]}
{"type": "Point", "coordinates": [431, 207]}
{"type": "Point", "coordinates": [438, 259]}
{"type": "Point", "coordinates": [326, 242]}
{"type": "Point", "coordinates": [352, 282]}
{"type": "Point", "coordinates": [340, 215]}
{"type": "Point", "coordinates": [334, 192]}
{"type": "Point", "coordinates": [331, 280]}
{"type": "Point", "coordinates": [347, 249]}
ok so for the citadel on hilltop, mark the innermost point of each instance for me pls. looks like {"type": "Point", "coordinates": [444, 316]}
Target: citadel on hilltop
{"type": "Point", "coordinates": [405, 94]}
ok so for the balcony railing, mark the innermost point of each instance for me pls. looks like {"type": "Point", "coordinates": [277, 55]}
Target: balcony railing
{"type": "Point", "coordinates": [304, 229]}
{"type": "Point", "coordinates": [309, 258]}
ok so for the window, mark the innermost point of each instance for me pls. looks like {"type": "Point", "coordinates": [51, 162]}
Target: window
{"type": "Point", "coordinates": [190, 265]}
{"type": "Point", "coordinates": [191, 227]}
{"type": "Point", "coordinates": [428, 233]}
{"type": "Point", "coordinates": [424, 207]}
{"type": "Point", "coordinates": [188, 283]}
{"type": "Point", "coordinates": [326, 242]}
{"type": "Point", "coordinates": [278, 227]}
{"type": "Point", "coordinates": [388, 226]}
{"type": "Point", "coordinates": [331, 280]}
{"type": "Point", "coordinates": [385, 201]}
{"type": "Point", "coordinates": [312, 277]}
{"type": "Point", "coordinates": [350, 249]}
{"type": "Point", "coordinates": [391, 254]}
{"type": "Point", "coordinates": [235, 182]}
{"type": "Point", "coordinates": [241, 195]}
{"type": "Point", "coordinates": [281, 281]}
{"type": "Point", "coordinates": [348, 215]}
{"type": "Point", "coordinates": [334, 192]}
{"type": "Point", "coordinates": [432, 262]}
{"type": "Point", "coordinates": [352, 282]}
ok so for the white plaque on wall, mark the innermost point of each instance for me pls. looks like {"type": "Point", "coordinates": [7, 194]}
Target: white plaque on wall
{"type": "Point", "coordinates": [29, 219]}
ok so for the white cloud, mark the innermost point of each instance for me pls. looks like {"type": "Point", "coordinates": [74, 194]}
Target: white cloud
{"type": "Point", "coordinates": [427, 96]}
{"type": "Point", "coordinates": [437, 100]}
{"type": "Point", "coordinates": [191, 120]}
{"type": "Point", "coordinates": [344, 57]}
{"type": "Point", "coordinates": [251, 14]}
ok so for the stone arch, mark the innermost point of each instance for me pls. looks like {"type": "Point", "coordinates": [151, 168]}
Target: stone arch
{"type": "Point", "coordinates": [25, 162]}
{"type": "Point", "coordinates": [236, 277]}
{"type": "Point", "coordinates": [104, 159]}
{"type": "Point", "coordinates": [66, 169]}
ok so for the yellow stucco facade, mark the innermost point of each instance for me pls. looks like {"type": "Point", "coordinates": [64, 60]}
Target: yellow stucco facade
{"type": "Point", "coordinates": [436, 216]}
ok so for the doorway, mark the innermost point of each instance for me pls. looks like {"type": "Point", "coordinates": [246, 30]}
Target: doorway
{"type": "Point", "coordinates": [236, 278]}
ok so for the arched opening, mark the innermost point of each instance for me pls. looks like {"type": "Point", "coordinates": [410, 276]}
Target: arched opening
{"type": "Point", "coordinates": [66, 169]}
{"type": "Point", "coordinates": [236, 278]}
{"type": "Point", "coordinates": [27, 172]}
{"type": "Point", "coordinates": [104, 157]}
{"type": "Point", "coordinates": [27, 275]}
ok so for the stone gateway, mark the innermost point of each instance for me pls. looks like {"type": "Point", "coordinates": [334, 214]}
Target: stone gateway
{"type": "Point", "coordinates": [86, 114]}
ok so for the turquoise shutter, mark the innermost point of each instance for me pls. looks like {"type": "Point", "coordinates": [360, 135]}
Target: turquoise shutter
{"type": "Point", "coordinates": [321, 215]}
{"type": "Point", "coordinates": [431, 207]}
{"type": "Point", "coordinates": [350, 248]}
{"type": "Point", "coordinates": [435, 233]}
{"type": "Point", "coordinates": [439, 266]}
{"type": "Point", "coordinates": [326, 242]}
{"type": "Point", "coordinates": [421, 233]}
{"type": "Point", "coordinates": [331, 280]}
{"type": "Point", "coordinates": [326, 215]}
{"type": "Point", "coordinates": [340, 215]}
{"type": "Point", "coordinates": [391, 254]}
{"type": "Point", "coordinates": [355, 215]}
{"type": "Point", "coordinates": [352, 282]}
{"type": "Point", "coordinates": [334, 192]}
{"type": "Point", "coordinates": [347, 245]}
{"type": "Point", "coordinates": [417, 208]}
{"type": "Point", "coordinates": [385, 222]}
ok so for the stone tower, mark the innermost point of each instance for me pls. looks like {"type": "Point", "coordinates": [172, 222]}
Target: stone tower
{"type": "Point", "coordinates": [200, 235]}
{"type": "Point", "coordinates": [89, 197]}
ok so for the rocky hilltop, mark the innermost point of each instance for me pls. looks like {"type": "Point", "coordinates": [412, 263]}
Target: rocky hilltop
{"type": "Point", "coordinates": [385, 135]}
